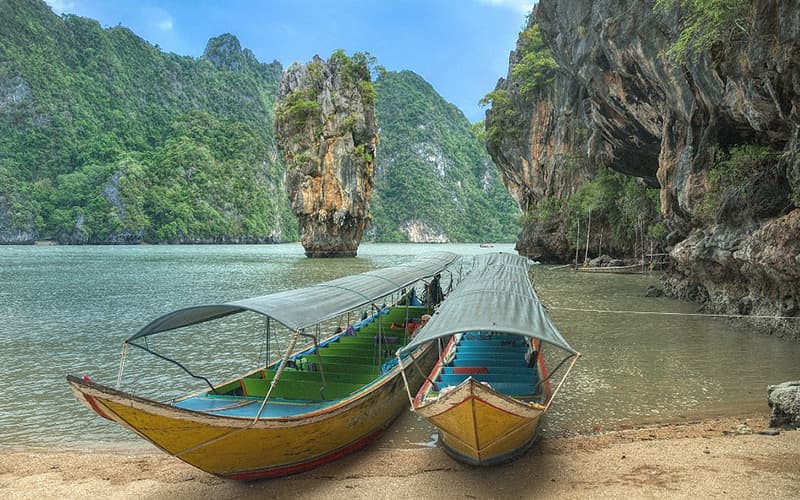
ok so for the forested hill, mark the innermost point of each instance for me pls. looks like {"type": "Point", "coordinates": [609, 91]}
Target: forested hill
{"type": "Point", "coordinates": [435, 180]}
{"type": "Point", "coordinates": [104, 138]}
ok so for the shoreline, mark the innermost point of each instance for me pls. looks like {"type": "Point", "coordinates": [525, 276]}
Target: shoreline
{"type": "Point", "coordinates": [706, 458]}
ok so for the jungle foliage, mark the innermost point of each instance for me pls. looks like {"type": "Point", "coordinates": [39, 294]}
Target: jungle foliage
{"type": "Point", "coordinates": [623, 212]}
{"type": "Point", "coordinates": [533, 71]}
{"type": "Point", "coordinates": [104, 138]}
{"type": "Point", "coordinates": [108, 139]}
{"type": "Point", "coordinates": [703, 23]}
{"type": "Point", "coordinates": [746, 182]}
{"type": "Point", "coordinates": [432, 168]}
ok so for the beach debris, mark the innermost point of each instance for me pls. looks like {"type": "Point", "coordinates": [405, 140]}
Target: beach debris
{"type": "Point", "coordinates": [784, 400]}
{"type": "Point", "coordinates": [769, 432]}
{"type": "Point", "coordinates": [744, 429]}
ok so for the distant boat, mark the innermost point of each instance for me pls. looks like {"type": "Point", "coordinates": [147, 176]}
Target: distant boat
{"type": "Point", "coordinates": [487, 245]}
{"type": "Point", "coordinates": [630, 269]}
{"type": "Point", "coordinates": [489, 390]}
{"type": "Point", "coordinates": [310, 407]}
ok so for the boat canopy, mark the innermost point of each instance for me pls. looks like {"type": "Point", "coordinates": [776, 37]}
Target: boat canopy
{"type": "Point", "coordinates": [497, 296]}
{"type": "Point", "coordinates": [305, 307]}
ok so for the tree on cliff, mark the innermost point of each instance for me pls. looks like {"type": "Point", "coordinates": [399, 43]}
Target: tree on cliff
{"type": "Point", "coordinates": [327, 131]}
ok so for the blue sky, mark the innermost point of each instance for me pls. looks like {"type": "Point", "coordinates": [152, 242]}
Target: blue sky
{"type": "Point", "coordinates": [460, 46]}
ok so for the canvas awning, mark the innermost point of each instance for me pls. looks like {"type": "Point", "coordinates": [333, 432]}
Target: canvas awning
{"type": "Point", "coordinates": [497, 296]}
{"type": "Point", "coordinates": [305, 307]}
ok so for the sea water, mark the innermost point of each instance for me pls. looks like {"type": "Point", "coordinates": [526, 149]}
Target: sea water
{"type": "Point", "coordinates": [67, 309]}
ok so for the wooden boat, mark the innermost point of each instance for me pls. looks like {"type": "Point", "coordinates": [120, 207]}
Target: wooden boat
{"type": "Point", "coordinates": [630, 269]}
{"type": "Point", "coordinates": [489, 390]}
{"type": "Point", "coordinates": [309, 407]}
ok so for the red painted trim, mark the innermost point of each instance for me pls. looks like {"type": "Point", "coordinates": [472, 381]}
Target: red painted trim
{"type": "Point", "coordinates": [437, 368]}
{"type": "Point", "coordinates": [96, 407]}
{"type": "Point", "coordinates": [476, 398]}
{"type": "Point", "coordinates": [299, 467]}
{"type": "Point", "coordinates": [469, 370]}
{"type": "Point", "coordinates": [542, 370]}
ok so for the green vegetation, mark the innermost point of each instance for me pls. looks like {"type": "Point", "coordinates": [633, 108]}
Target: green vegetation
{"type": "Point", "coordinates": [702, 23]}
{"type": "Point", "coordinates": [432, 168]}
{"type": "Point", "coordinates": [534, 70]}
{"type": "Point", "coordinates": [537, 66]}
{"type": "Point", "coordinates": [621, 208]}
{"type": "Point", "coordinates": [106, 139]}
{"type": "Point", "coordinates": [114, 140]}
{"type": "Point", "coordinates": [746, 181]}
{"type": "Point", "coordinates": [357, 68]}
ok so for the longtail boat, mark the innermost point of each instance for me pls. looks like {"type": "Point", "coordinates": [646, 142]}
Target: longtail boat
{"type": "Point", "coordinates": [310, 406]}
{"type": "Point", "coordinates": [629, 269]}
{"type": "Point", "coordinates": [487, 393]}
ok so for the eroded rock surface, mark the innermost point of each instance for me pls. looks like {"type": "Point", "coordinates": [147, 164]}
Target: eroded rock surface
{"type": "Point", "coordinates": [617, 101]}
{"type": "Point", "coordinates": [327, 131]}
{"type": "Point", "coordinates": [784, 400]}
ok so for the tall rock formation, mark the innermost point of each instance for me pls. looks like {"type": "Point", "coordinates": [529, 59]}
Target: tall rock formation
{"type": "Point", "coordinates": [535, 135]}
{"type": "Point", "coordinates": [328, 133]}
{"type": "Point", "coordinates": [719, 134]}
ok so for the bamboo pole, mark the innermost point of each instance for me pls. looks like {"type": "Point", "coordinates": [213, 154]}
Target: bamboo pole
{"type": "Point", "coordinates": [577, 243]}
{"type": "Point", "coordinates": [588, 232]}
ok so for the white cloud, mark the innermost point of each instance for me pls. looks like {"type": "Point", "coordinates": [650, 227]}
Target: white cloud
{"type": "Point", "coordinates": [165, 25]}
{"type": "Point", "coordinates": [61, 6]}
{"type": "Point", "coordinates": [523, 6]}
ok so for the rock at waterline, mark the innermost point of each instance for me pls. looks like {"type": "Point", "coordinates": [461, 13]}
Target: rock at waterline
{"type": "Point", "coordinates": [784, 400]}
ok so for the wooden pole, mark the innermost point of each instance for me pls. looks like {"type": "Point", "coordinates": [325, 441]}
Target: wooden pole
{"type": "Point", "coordinates": [588, 231]}
{"type": "Point", "coordinates": [577, 243]}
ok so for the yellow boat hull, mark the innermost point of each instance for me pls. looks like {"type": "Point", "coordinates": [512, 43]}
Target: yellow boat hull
{"type": "Point", "coordinates": [480, 426]}
{"type": "Point", "coordinates": [241, 448]}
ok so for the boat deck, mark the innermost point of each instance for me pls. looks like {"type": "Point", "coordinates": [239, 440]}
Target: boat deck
{"type": "Point", "coordinates": [237, 406]}
{"type": "Point", "coordinates": [498, 360]}
{"type": "Point", "coordinates": [317, 377]}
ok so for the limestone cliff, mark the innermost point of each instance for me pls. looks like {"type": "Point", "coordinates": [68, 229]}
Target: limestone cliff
{"type": "Point", "coordinates": [327, 131]}
{"type": "Point", "coordinates": [719, 134]}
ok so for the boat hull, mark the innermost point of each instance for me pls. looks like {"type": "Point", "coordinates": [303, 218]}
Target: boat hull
{"type": "Point", "coordinates": [632, 269]}
{"type": "Point", "coordinates": [480, 426]}
{"type": "Point", "coordinates": [241, 448]}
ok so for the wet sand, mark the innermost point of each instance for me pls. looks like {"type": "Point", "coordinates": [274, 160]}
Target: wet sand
{"type": "Point", "coordinates": [700, 459]}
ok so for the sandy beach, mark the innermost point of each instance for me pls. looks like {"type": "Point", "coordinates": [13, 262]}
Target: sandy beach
{"type": "Point", "coordinates": [700, 459]}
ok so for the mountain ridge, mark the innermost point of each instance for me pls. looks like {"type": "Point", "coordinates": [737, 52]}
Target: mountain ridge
{"type": "Point", "coordinates": [107, 139]}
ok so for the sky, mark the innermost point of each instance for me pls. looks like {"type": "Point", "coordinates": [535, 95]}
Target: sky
{"type": "Point", "coordinates": [460, 47]}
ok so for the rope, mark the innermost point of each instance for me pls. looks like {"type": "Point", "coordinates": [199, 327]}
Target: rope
{"type": "Point", "coordinates": [122, 363]}
{"type": "Point", "coordinates": [706, 315]}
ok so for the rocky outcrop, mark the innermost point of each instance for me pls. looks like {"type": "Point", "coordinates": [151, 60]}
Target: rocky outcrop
{"type": "Point", "coordinates": [784, 400]}
{"type": "Point", "coordinates": [672, 125]}
{"type": "Point", "coordinates": [327, 131]}
{"type": "Point", "coordinates": [419, 232]}
{"type": "Point", "coordinates": [225, 52]}
{"type": "Point", "coordinates": [543, 156]}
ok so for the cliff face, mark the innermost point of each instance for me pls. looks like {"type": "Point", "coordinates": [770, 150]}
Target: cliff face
{"type": "Point", "coordinates": [719, 135]}
{"type": "Point", "coordinates": [327, 130]}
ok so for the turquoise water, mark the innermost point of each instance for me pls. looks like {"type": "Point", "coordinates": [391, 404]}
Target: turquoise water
{"type": "Point", "coordinates": [68, 309]}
